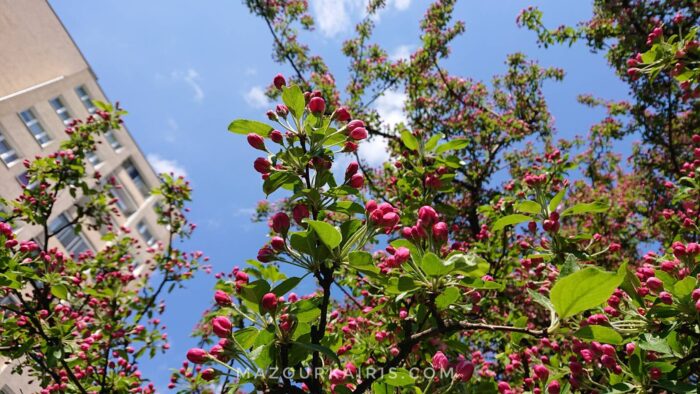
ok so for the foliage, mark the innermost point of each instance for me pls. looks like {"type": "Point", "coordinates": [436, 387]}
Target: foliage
{"type": "Point", "coordinates": [536, 284]}
{"type": "Point", "coordinates": [82, 323]}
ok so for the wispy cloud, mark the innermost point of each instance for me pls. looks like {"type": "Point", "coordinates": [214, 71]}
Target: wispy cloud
{"type": "Point", "coordinates": [162, 165]}
{"type": "Point", "coordinates": [190, 77]}
{"type": "Point", "coordinates": [256, 98]}
{"type": "Point", "coordinates": [400, 5]}
{"type": "Point", "coordinates": [402, 52]}
{"type": "Point", "coordinates": [390, 107]}
{"type": "Point", "coordinates": [337, 16]}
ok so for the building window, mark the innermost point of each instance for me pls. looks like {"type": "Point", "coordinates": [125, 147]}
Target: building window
{"type": "Point", "coordinates": [93, 158]}
{"type": "Point", "coordinates": [124, 201]}
{"type": "Point", "coordinates": [112, 139]}
{"type": "Point", "coordinates": [60, 107]}
{"type": "Point", "coordinates": [24, 179]}
{"type": "Point", "coordinates": [85, 98]}
{"type": "Point", "coordinates": [145, 232]}
{"type": "Point", "coordinates": [34, 127]}
{"type": "Point", "coordinates": [135, 176]}
{"type": "Point", "coordinates": [7, 154]}
{"type": "Point", "coordinates": [65, 232]}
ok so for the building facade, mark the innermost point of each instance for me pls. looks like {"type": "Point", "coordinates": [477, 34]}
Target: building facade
{"type": "Point", "coordinates": [44, 83]}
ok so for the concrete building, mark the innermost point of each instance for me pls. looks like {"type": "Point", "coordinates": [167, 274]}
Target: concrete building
{"type": "Point", "coordinates": [44, 82]}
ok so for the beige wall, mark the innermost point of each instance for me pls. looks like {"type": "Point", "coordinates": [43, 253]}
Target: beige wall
{"type": "Point", "coordinates": [34, 47]}
{"type": "Point", "coordinates": [39, 61]}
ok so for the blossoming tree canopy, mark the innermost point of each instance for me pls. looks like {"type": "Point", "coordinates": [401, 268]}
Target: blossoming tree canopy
{"type": "Point", "coordinates": [430, 278]}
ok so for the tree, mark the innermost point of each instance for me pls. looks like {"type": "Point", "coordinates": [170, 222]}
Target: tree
{"type": "Point", "coordinates": [536, 284]}
{"type": "Point", "coordinates": [81, 324]}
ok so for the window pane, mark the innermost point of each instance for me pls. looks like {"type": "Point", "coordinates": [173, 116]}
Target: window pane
{"type": "Point", "coordinates": [135, 176]}
{"type": "Point", "coordinates": [146, 233]}
{"type": "Point", "coordinates": [93, 158]}
{"type": "Point", "coordinates": [85, 98]}
{"type": "Point", "coordinates": [7, 154]}
{"type": "Point", "coordinates": [112, 139]}
{"type": "Point", "coordinates": [124, 200]}
{"type": "Point", "coordinates": [61, 110]}
{"type": "Point", "coordinates": [74, 243]}
{"type": "Point", "coordinates": [34, 126]}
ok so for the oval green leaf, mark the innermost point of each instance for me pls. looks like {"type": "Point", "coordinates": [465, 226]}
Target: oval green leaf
{"type": "Point", "coordinates": [583, 290]}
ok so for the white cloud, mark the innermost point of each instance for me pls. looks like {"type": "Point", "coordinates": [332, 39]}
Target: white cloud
{"type": "Point", "coordinates": [256, 98]}
{"type": "Point", "coordinates": [190, 77]}
{"type": "Point", "coordinates": [390, 107]}
{"type": "Point", "coordinates": [337, 16]}
{"type": "Point", "coordinates": [402, 52]}
{"type": "Point", "coordinates": [374, 151]}
{"type": "Point", "coordinates": [400, 5]}
{"type": "Point", "coordinates": [251, 71]}
{"type": "Point", "coordinates": [161, 165]}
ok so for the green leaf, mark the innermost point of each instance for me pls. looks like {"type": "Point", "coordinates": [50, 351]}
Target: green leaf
{"type": "Point", "coordinates": [477, 283]}
{"type": "Point", "coordinates": [583, 290]}
{"type": "Point", "coordinates": [294, 100]}
{"type": "Point", "coordinates": [683, 288]}
{"type": "Point", "coordinates": [593, 207]}
{"type": "Point", "coordinates": [246, 337]}
{"type": "Point", "coordinates": [287, 285]}
{"type": "Point", "coordinates": [432, 142]}
{"type": "Point", "coordinates": [254, 291]}
{"type": "Point", "coordinates": [556, 200]}
{"type": "Point", "coordinates": [359, 258]}
{"type": "Point", "coordinates": [409, 140]}
{"type": "Point", "coordinates": [529, 207]}
{"type": "Point", "coordinates": [278, 179]}
{"type": "Point", "coordinates": [60, 291]}
{"type": "Point", "coordinates": [509, 221]}
{"type": "Point", "coordinates": [600, 333]}
{"type": "Point", "coordinates": [455, 144]}
{"type": "Point", "coordinates": [546, 303]}
{"type": "Point", "coordinates": [328, 234]}
{"type": "Point", "coordinates": [398, 378]}
{"type": "Point", "coordinates": [569, 267]}
{"type": "Point", "coordinates": [432, 265]}
{"type": "Point", "coordinates": [244, 126]}
{"type": "Point", "coordinates": [406, 283]}
{"type": "Point", "coordinates": [321, 349]}
{"type": "Point", "coordinates": [447, 298]}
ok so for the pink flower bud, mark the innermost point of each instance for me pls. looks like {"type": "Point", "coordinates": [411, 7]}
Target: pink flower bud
{"type": "Point", "coordinates": [266, 254]}
{"type": "Point", "coordinates": [402, 255]}
{"type": "Point", "coordinates": [299, 213]}
{"type": "Point", "coordinates": [269, 302]}
{"type": "Point", "coordinates": [222, 298]}
{"type": "Point", "coordinates": [352, 169]}
{"type": "Point", "coordinates": [654, 283]}
{"type": "Point", "coordinates": [279, 81]}
{"type": "Point", "coordinates": [276, 136]}
{"type": "Point", "coordinates": [280, 223]}
{"type": "Point", "coordinates": [221, 326]}
{"type": "Point", "coordinates": [197, 355]}
{"type": "Point", "coordinates": [358, 134]}
{"type": "Point", "coordinates": [666, 297]}
{"type": "Point", "coordinates": [464, 370]}
{"type": "Point", "coordinates": [440, 361]}
{"type": "Point", "coordinates": [356, 181]}
{"type": "Point", "coordinates": [440, 231]}
{"type": "Point", "coordinates": [317, 106]}
{"type": "Point", "coordinates": [262, 165]}
{"type": "Point", "coordinates": [427, 215]}
{"type": "Point", "coordinates": [209, 374]}
{"type": "Point", "coordinates": [277, 243]}
{"type": "Point", "coordinates": [342, 114]}
{"type": "Point", "coordinates": [256, 141]}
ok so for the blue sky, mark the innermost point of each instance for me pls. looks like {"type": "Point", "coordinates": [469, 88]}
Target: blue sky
{"type": "Point", "coordinates": [185, 69]}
